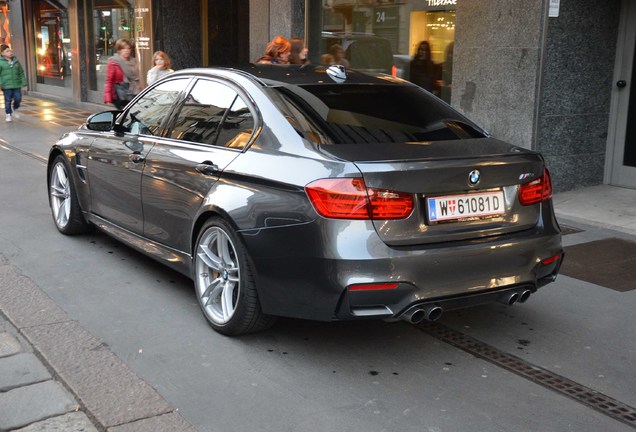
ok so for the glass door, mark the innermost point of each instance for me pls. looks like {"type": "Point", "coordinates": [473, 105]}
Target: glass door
{"type": "Point", "coordinates": [53, 43]}
{"type": "Point", "coordinates": [621, 153]}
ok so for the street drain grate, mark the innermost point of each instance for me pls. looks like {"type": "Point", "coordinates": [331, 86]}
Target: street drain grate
{"type": "Point", "coordinates": [591, 398]}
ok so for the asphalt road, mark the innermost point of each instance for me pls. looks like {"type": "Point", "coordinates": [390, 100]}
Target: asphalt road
{"type": "Point", "coordinates": [308, 376]}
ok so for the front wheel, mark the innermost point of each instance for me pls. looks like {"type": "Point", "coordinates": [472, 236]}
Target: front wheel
{"type": "Point", "coordinates": [65, 208]}
{"type": "Point", "coordinates": [224, 282]}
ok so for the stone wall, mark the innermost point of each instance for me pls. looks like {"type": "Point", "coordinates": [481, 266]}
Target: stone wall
{"type": "Point", "coordinates": [577, 85]}
{"type": "Point", "coordinates": [272, 18]}
{"type": "Point", "coordinates": [496, 66]}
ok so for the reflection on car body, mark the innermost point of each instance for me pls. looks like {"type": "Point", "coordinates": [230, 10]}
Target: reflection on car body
{"type": "Point", "coordinates": [281, 192]}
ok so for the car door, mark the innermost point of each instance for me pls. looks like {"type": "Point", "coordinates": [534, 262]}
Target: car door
{"type": "Point", "coordinates": [116, 158]}
{"type": "Point", "coordinates": [212, 127]}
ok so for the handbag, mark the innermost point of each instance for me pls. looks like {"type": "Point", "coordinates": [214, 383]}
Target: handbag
{"type": "Point", "coordinates": [123, 91]}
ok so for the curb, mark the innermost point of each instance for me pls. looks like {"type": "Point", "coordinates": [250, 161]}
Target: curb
{"type": "Point", "coordinates": [106, 390]}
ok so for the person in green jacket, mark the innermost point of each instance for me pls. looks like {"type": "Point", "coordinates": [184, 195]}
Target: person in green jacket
{"type": "Point", "coordinates": [12, 79]}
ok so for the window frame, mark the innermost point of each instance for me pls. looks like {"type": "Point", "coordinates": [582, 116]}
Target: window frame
{"type": "Point", "coordinates": [123, 117]}
{"type": "Point", "coordinates": [247, 100]}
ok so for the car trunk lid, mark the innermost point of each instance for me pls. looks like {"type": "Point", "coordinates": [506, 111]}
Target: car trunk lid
{"type": "Point", "coordinates": [444, 169]}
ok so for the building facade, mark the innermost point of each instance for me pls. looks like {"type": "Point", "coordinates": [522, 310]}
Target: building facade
{"type": "Point", "coordinates": [550, 75]}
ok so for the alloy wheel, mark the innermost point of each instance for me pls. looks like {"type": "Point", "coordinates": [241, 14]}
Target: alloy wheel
{"type": "Point", "coordinates": [60, 191]}
{"type": "Point", "coordinates": [218, 275]}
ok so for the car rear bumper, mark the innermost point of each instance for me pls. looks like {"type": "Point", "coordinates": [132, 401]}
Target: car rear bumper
{"type": "Point", "coordinates": [308, 274]}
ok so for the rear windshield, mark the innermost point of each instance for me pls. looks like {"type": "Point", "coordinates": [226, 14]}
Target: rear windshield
{"type": "Point", "coordinates": [348, 114]}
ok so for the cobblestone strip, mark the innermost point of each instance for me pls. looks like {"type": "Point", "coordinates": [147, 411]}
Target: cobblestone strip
{"type": "Point", "coordinates": [105, 388]}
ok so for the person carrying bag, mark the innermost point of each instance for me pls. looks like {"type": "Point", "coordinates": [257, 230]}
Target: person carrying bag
{"type": "Point", "coordinates": [122, 76]}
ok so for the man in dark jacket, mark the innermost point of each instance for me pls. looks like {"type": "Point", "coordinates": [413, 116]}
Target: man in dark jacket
{"type": "Point", "coordinates": [12, 79]}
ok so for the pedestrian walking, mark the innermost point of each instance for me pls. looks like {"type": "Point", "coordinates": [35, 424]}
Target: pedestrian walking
{"type": "Point", "coordinates": [338, 54]}
{"type": "Point", "coordinates": [276, 52]}
{"type": "Point", "coordinates": [162, 67]}
{"type": "Point", "coordinates": [122, 75]}
{"type": "Point", "coordinates": [423, 71]}
{"type": "Point", "coordinates": [299, 52]}
{"type": "Point", "coordinates": [12, 79]}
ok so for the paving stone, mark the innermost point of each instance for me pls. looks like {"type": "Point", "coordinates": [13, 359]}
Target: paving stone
{"type": "Point", "coordinates": [109, 390]}
{"type": "Point", "coordinates": [20, 370]}
{"type": "Point", "coordinates": [25, 405]}
{"type": "Point", "coordinates": [165, 423]}
{"type": "Point", "coordinates": [24, 303]}
{"type": "Point", "coordinates": [73, 422]}
{"type": "Point", "coordinates": [9, 345]}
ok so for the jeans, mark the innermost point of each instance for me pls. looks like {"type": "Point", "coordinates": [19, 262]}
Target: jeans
{"type": "Point", "coordinates": [14, 95]}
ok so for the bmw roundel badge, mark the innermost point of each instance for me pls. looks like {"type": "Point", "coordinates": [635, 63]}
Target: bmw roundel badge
{"type": "Point", "coordinates": [474, 177]}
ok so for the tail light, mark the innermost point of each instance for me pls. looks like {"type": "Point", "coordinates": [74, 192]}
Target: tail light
{"type": "Point", "coordinates": [537, 190]}
{"type": "Point", "coordinates": [349, 198]}
{"type": "Point", "coordinates": [373, 287]}
{"type": "Point", "coordinates": [394, 70]}
{"type": "Point", "coordinates": [550, 260]}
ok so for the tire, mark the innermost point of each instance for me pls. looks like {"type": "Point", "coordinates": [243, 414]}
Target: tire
{"type": "Point", "coordinates": [224, 282]}
{"type": "Point", "coordinates": [67, 214]}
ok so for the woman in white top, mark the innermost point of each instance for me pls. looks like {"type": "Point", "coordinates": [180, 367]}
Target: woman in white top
{"type": "Point", "coordinates": [161, 67]}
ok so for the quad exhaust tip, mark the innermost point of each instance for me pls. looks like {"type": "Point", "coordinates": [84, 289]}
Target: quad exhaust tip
{"type": "Point", "coordinates": [418, 314]}
{"type": "Point", "coordinates": [524, 296]}
{"type": "Point", "coordinates": [509, 298]}
{"type": "Point", "coordinates": [513, 297]}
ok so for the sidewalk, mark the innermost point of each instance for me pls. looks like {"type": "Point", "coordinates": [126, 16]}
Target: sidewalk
{"type": "Point", "coordinates": [29, 395]}
{"type": "Point", "coordinates": [602, 206]}
{"type": "Point", "coordinates": [54, 375]}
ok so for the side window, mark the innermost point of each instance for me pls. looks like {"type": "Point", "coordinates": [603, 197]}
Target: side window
{"type": "Point", "coordinates": [146, 116]}
{"type": "Point", "coordinates": [203, 112]}
{"type": "Point", "coordinates": [237, 127]}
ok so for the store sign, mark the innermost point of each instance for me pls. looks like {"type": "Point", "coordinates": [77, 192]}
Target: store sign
{"type": "Point", "coordinates": [386, 17]}
{"type": "Point", "coordinates": [554, 8]}
{"type": "Point", "coordinates": [441, 2]}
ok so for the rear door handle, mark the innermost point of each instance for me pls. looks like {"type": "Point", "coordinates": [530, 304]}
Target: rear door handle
{"type": "Point", "coordinates": [207, 168]}
{"type": "Point", "coordinates": [136, 158]}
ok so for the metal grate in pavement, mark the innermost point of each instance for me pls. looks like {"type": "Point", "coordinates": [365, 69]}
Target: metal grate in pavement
{"type": "Point", "coordinates": [591, 398]}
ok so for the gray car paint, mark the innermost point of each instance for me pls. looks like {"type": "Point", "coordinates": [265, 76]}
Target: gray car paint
{"type": "Point", "coordinates": [303, 262]}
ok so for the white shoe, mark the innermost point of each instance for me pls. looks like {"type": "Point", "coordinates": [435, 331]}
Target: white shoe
{"type": "Point", "coordinates": [8, 118]}
{"type": "Point", "coordinates": [16, 115]}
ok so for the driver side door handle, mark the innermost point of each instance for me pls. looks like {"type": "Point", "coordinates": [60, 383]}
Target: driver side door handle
{"type": "Point", "coordinates": [207, 168]}
{"type": "Point", "coordinates": [136, 158]}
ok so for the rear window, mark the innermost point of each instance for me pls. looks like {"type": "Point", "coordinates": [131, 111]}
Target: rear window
{"type": "Point", "coordinates": [348, 114]}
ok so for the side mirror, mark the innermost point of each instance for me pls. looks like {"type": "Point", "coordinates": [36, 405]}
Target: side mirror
{"type": "Point", "coordinates": [103, 121]}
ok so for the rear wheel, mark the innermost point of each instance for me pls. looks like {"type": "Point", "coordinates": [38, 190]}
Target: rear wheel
{"type": "Point", "coordinates": [65, 208]}
{"type": "Point", "coordinates": [224, 282]}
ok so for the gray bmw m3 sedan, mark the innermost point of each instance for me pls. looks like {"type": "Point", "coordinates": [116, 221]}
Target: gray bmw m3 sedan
{"type": "Point", "coordinates": [311, 192]}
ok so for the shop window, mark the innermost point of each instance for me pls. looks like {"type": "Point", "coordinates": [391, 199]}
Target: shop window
{"type": "Point", "coordinates": [111, 20]}
{"type": "Point", "coordinates": [381, 36]}
{"type": "Point", "coordinates": [52, 43]}
{"type": "Point", "coordinates": [5, 34]}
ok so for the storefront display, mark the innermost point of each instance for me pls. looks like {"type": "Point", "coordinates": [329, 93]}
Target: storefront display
{"type": "Point", "coordinates": [366, 30]}
{"type": "Point", "coordinates": [52, 43]}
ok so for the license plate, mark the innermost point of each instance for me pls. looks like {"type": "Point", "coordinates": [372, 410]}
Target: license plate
{"type": "Point", "coordinates": [474, 205]}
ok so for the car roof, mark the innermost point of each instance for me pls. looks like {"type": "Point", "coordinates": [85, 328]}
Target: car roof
{"type": "Point", "coordinates": [277, 75]}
